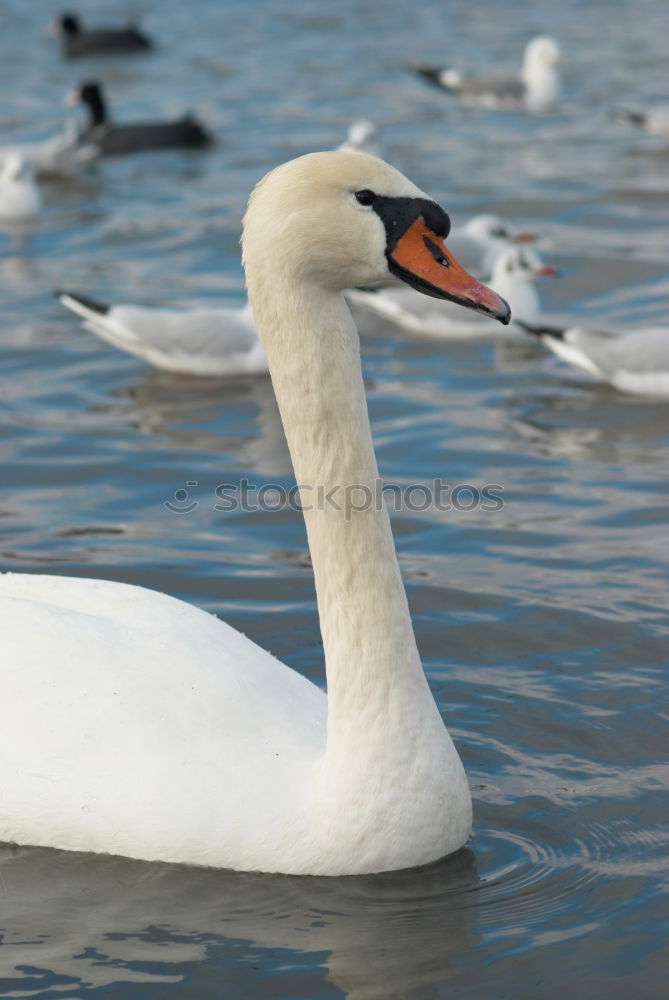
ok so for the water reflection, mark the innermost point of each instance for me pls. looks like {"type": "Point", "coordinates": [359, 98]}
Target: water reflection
{"type": "Point", "coordinates": [94, 921]}
{"type": "Point", "coordinates": [237, 418]}
{"type": "Point", "coordinates": [582, 419]}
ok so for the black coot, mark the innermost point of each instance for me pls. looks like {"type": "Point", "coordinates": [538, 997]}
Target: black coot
{"type": "Point", "coordinates": [80, 41]}
{"type": "Point", "coordinates": [115, 139]}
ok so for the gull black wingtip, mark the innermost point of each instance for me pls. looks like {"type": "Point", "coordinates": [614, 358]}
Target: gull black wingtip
{"type": "Point", "coordinates": [84, 300]}
{"type": "Point", "coordinates": [429, 73]}
{"type": "Point", "coordinates": [556, 332]}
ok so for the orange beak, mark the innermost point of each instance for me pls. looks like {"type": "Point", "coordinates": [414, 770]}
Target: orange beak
{"type": "Point", "coordinates": [420, 259]}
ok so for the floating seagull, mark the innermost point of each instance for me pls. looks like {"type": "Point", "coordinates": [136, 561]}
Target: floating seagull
{"type": "Point", "coordinates": [20, 196]}
{"type": "Point", "coordinates": [654, 120]}
{"type": "Point", "coordinates": [138, 136]}
{"type": "Point", "coordinates": [362, 138]}
{"type": "Point", "coordinates": [537, 89]}
{"type": "Point", "coordinates": [205, 342]}
{"type": "Point", "coordinates": [80, 41]}
{"type": "Point", "coordinates": [61, 155]}
{"type": "Point", "coordinates": [513, 279]}
{"type": "Point", "coordinates": [479, 243]}
{"type": "Point", "coordinates": [636, 361]}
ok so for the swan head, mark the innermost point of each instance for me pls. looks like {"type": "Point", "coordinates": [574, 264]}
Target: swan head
{"type": "Point", "coordinates": [341, 219]}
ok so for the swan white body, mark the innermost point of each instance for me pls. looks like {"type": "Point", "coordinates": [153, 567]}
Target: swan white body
{"type": "Point", "coordinates": [636, 361]}
{"type": "Point", "coordinates": [204, 342]}
{"type": "Point", "coordinates": [537, 89]}
{"type": "Point", "coordinates": [20, 197]}
{"type": "Point", "coordinates": [513, 278]}
{"type": "Point", "coordinates": [138, 725]}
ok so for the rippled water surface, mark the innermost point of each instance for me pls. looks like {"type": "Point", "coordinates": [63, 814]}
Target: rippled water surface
{"type": "Point", "coordinates": [543, 625]}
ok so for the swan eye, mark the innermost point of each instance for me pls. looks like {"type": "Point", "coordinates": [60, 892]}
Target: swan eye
{"type": "Point", "coordinates": [365, 197]}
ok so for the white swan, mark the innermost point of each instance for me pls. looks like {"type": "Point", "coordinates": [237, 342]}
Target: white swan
{"type": "Point", "coordinates": [205, 342]}
{"type": "Point", "coordinates": [514, 276]}
{"type": "Point", "coordinates": [20, 197]}
{"type": "Point", "coordinates": [634, 361]}
{"type": "Point", "coordinates": [135, 724]}
{"type": "Point", "coordinates": [537, 89]}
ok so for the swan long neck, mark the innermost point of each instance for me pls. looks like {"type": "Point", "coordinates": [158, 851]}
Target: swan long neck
{"type": "Point", "coordinates": [314, 358]}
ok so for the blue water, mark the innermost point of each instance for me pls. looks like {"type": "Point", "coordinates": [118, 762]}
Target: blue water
{"type": "Point", "coordinates": [542, 625]}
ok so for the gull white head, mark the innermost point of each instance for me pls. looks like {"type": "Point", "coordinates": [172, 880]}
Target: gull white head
{"type": "Point", "coordinates": [19, 195]}
{"type": "Point", "coordinates": [17, 169]}
{"type": "Point", "coordinates": [541, 73]}
{"type": "Point", "coordinates": [514, 275]}
{"type": "Point", "coordinates": [491, 230]}
{"type": "Point", "coordinates": [451, 78]}
{"type": "Point", "coordinates": [493, 235]}
{"type": "Point", "coordinates": [488, 227]}
{"type": "Point", "coordinates": [362, 138]}
{"type": "Point", "coordinates": [337, 220]}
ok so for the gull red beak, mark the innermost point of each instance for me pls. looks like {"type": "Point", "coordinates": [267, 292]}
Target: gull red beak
{"type": "Point", "coordinates": [547, 271]}
{"type": "Point", "coordinates": [421, 259]}
{"type": "Point", "coordinates": [525, 236]}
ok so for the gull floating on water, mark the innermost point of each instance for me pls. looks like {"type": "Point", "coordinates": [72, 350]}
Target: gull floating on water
{"type": "Point", "coordinates": [478, 244]}
{"type": "Point", "coordinates": [537, 89]}
{"type": "Point", "coordinates": [20, 196]}
{"type": "Point", "coordinates": [635, 361]}
{"type": "Point", "coordinates": [654, 120]}
{"type": "Point", "coordinates": [223, 341]}
{"type": "Point", "coordinates": [362, 138]}
{"type": "Point", "coordinates": [204, 342]}
{"type": "Point", "coordinates": [513, 278]}
{"type": "Point", "coordinates": [62, 154]}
